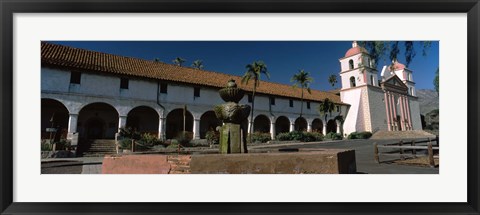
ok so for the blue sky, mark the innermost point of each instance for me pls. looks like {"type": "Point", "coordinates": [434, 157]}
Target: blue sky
{"type": "Point", "coordinates": [283, 58]}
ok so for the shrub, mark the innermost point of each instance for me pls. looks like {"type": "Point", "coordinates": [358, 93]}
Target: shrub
{"type": "Point", "coordinates": [46, 146]}
{"type": "Point", "coordinates": [213, 137]}
{"type": "Point", "coordinates": [300, 136]}
{"type": "Point", "coordinates": [126, 143]}
{"type": "Point", "coordinates": [284, 136]}
{"type": "Point", "coordinates": [129, 133]}
{"type": "Point", "coordinates": [359, 135]}
{"type": "Point", "coordinates": [173, 144]}
{"type": "Point", "coordinates": [63, 144]}
{"type": "Point", "coordinates": [333, 136]}
{"type": "Point", "coordinates": [260, 137]}
{"type": "Point", "coordinates": [184, 137]}
{"type": "Point", "coordinates": [149, 140]}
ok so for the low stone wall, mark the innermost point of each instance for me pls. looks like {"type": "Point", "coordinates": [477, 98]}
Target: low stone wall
{"type": "Point", "coordinates": [327, 161]}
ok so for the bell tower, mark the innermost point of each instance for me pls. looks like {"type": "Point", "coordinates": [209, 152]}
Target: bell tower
{"type": "Point", "coordinates": [357, 68]}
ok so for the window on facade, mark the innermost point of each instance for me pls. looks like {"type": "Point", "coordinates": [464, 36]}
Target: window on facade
{"type": "Point", "coordinates": [308, 105]}
{"type": "Point", "coordinates": [272, 100]}
{"type": "Point", "coordinates": [163, 88]}
{"type": "Point", "coordinates": [352, 82]}
{"type": "Point", "coordinates": [338, 108]}
{"type": "Point", "coordinates": [250, 98]}
{"type": "Point", "coordinates": [123, 83]}
{"type": "Point", "coordinates": [291, 103]}
{"type": "Point", "coordinates": [350, 64]}
{"type": "Point", "coordinates": [75, 77]}
{"type": "Point", "coordinates": [372, 81]}
{"type": "Point", "coordinates": [196, 91]}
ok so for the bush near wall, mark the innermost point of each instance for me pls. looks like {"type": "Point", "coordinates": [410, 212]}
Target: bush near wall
{"type": "Point", "coordinates": [359, 135]}
{"type": "Point", "coordinates": [213, 137]}
{"type": "Point", "coordinates": [259, 137]}
{"type": "Point", "coordinates": [333, 136]}
{"type": "Point", "coordinates": [300, 136]}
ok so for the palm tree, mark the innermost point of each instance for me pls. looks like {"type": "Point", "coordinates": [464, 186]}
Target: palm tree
{"type": "Point", "coordinates": [303, 80]}
{"type": "Point", "coordinates": [326, 107]}
{"type": "Point", "coordinates": [178, 61]}
{"type": "Point", "coordinates": [197, 64]}
{"type": "Point", "coordinates": [332, 79]}
{"type": "Point", "coordinates": [254, 71]}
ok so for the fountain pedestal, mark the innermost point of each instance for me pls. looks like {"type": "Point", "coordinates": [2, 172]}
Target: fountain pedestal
{"type": "Point", "coordinates": [233, 138]}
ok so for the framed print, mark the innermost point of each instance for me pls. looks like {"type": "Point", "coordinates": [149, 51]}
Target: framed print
{"type": "Point", "coordinates": [123, 52]}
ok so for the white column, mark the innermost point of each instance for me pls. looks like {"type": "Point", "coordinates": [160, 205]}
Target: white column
{"type": "Point", "coordinates": [338, 126]}
{"type": "Point", "coordinates": [196, 129]}
{"type": "Point", "coordinates": [272, 130]}
{"type": "Point", "coordinates": [402, 115]}
{"type": "Point", "coordinates": [387, 111]}
{"type": "Point", "coordinates": [161, 134]}
{"type": "Point", "coordinates": [292, 126]}
{"type": "Point", "coordinates": [122, 121]}
{"type": "Point", "coordinates": [324, 128]}
{"type": "Point", "coordinates": [72, 123]}
{"type": "Point", "coordinates": [249, 126]}
{"type": "Point", "coordinates": [309, 127]}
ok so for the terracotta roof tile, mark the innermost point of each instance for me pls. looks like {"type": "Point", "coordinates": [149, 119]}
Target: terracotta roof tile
{"type": "Point", "coordinates": [69, 57]}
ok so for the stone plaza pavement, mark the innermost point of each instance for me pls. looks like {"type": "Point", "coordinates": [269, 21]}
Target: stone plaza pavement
{"type": "Point", "coordinates": [363, 153]}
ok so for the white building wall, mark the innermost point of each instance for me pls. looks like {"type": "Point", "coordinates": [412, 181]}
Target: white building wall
{"type": "Point", "coordinates": [352, 122]}
{"type": "Point", "coordinates": [415, 113]}
{"type": "Point", "coordinates": [377, 110]}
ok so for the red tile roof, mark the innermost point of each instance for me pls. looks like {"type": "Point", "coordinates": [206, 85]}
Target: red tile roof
{"type": "Point", "coordinates": [355, 50]}
{"type": "Point", "coordinates": [54, 55]}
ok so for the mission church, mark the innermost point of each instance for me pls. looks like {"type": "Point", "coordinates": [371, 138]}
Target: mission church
{"type": "Point", "coordinates": [90, 95]}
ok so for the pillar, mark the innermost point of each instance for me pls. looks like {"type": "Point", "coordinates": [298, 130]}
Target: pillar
{"type": "Point", "coordinates": [72, 123]}
{"type": "Point", "coordinates": [402, 115]}
{"type": "Point", "coordinates": [309, 126]}
{"type": "Point", "coordinates": [324, 128]}
{"type": "Point", "coordinates": [161, 128]}
{"type": "Point", "coordinates": [338, 126]}
{"type": "Point", "coordinates": [387, 111]}
{"type": "Point", "coordinates": [408, 114]}
{"type": "Point", "coordinates": [122, 121]}
{"type": "Point", "coordinates": [250, 125]}
{"type": "Point", "coordinates": [272, 130]}
{"type": "Point", "coordinates": [292, 126]}
{"type": "Point", "coordinates": [196, 129]}
{"type": "Point", "coordinates": [394, 108]}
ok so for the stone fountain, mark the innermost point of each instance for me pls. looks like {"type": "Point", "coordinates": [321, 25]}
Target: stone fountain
{"type": "Point", "coordinates": [233, 137]}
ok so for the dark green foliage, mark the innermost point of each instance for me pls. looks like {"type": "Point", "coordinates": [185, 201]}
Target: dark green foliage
{"type": "Point", "coordinates": [126, 143]}
{"type": "Point", "coordinates": [382, 49]}
{"type": "Point", "coordinates": [184, 137]}
{"type": "Point", "coordinates": [62, 144]}
{"type": "Point", "coordinates": [333, 136]}
{"type": "Point", "coordinates": [436, 80]}
{"type": "Point", "coordinates": [147, 141]}
{"type": "Point", "coordinates": [46, 146]}
{"type": "Point", "coordinates": [300, 136]}
{"type": "Point", "coordinates": [130, 133]}
{"type": "Point", "coordinates": [359, 135]}
{"type": "Point", "coordinates": [213, 137]}
{"type": "Point", "coordinates": [260, 137]}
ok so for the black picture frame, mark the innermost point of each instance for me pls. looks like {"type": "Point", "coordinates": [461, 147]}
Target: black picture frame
{"type": "Point", "coordinates": [9, 7]}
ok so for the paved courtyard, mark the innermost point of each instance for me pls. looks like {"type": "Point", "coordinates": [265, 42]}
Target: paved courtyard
{"type": "Point", "coordinates": [363, 153]}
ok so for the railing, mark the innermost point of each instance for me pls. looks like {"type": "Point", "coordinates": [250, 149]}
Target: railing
{"type": "Point", "coordinates": [402, 149]}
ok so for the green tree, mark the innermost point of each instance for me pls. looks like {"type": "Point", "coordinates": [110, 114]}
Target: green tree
{"type": "Point", "coordinates": [178, 61]}
{"type": "Point", "coordinates": [332, 79]}
{"type": "Point", "coordinates": [197, 64]}
{"type": "Point", "coordinates": [436, 83]}
{"type": "Point", "coordinates": [326, 107]}
{"type": "Point", "coordinates": [381, 49]}
{"type": "Point", "coordinates": [302, 79]}
{"type": "Point", "coordinates": [254, 71]}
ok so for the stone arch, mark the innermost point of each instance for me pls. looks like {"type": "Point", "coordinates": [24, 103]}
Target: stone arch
{"type": "Point", "coordinates": [208, 122]}
{"type": "Point", "coordinates": [350, 64]}
{"type": "Point", "coordinates": [97, 121]}
{"type": "Point", "coordinates": [261, 123]}
{"type": "Point", "coordinates": [331, 126]}
{"type": "Point", "coordinates": [144, 119]}
{"type": "Point", "coordinates": [300, 124]}
{"type": "Point", "coordinates": [282, 125]}
{"type": "Point", "coordinates": [352, 82]}
{"type": "Point", "coordinates": [175, 125]}
{"type": "Point", "coordinates": [54, 114]}
{"type": "Point", "coordinates": [317, 125]}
